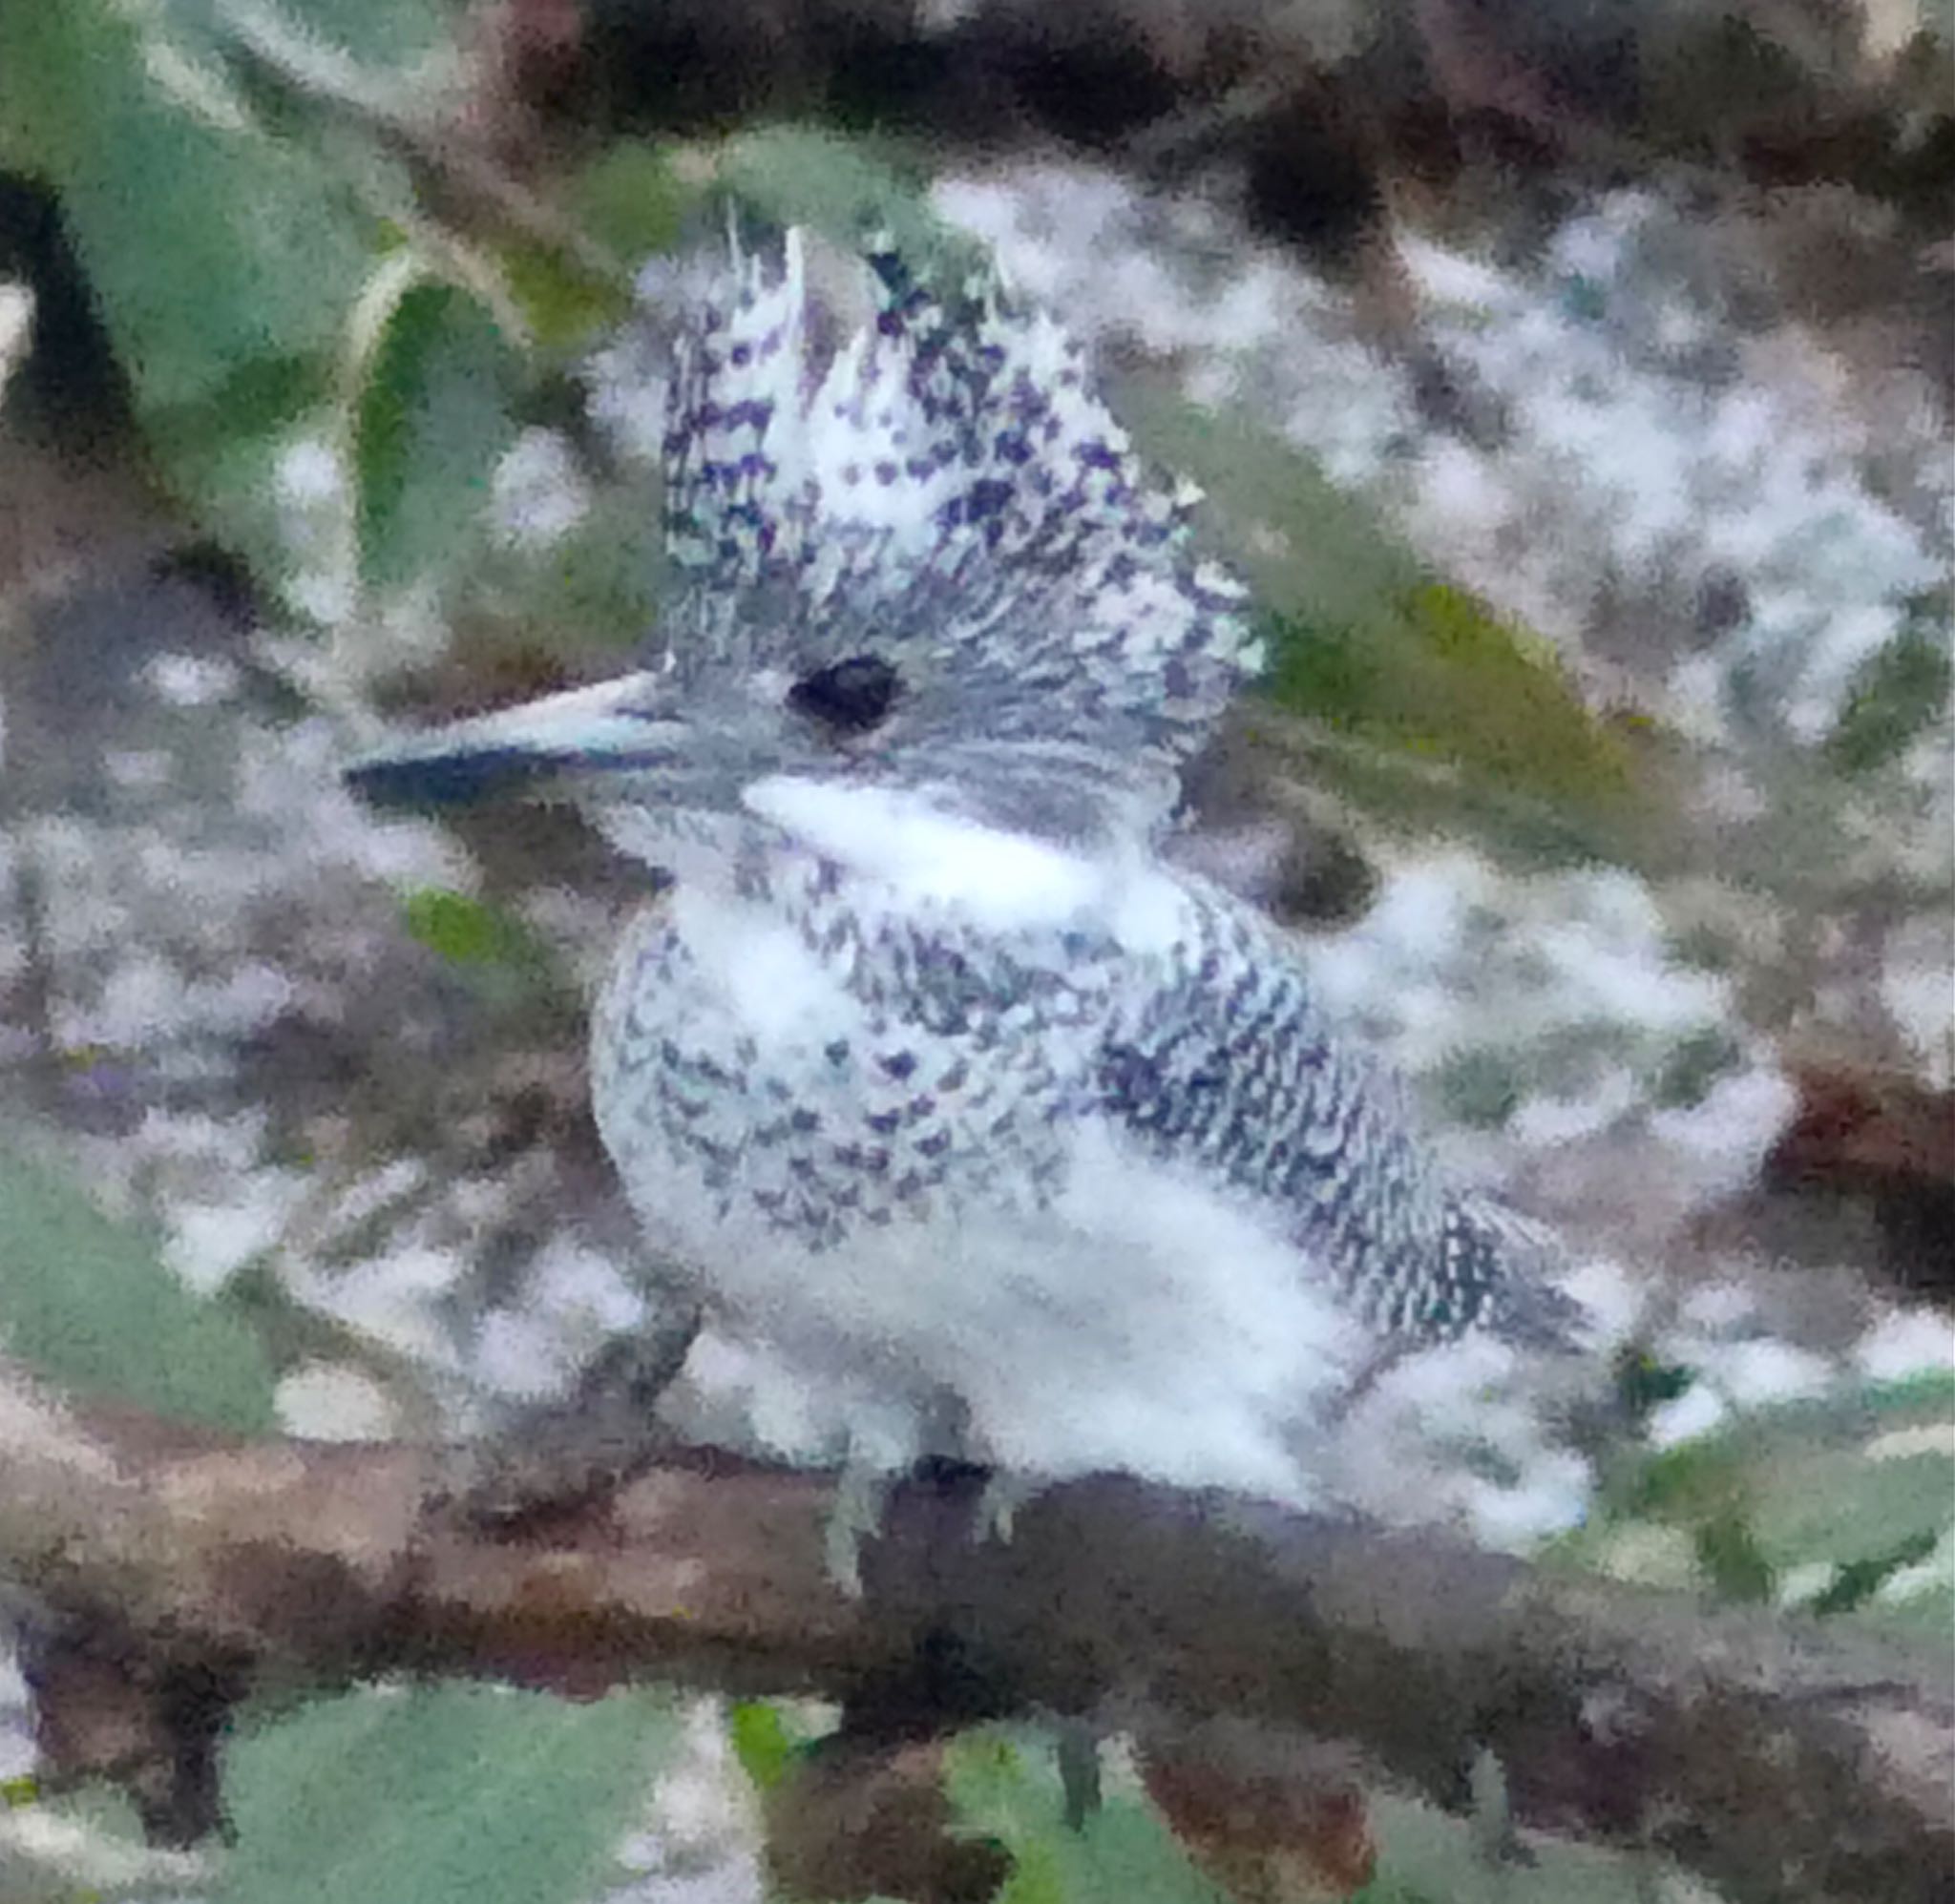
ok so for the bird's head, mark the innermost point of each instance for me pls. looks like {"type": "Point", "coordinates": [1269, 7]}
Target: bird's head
{"type": "Point", "coordinates": [927, 570]}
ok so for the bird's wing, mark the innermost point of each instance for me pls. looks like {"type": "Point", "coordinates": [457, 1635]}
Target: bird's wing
{"type": "Point", "coordinates": [1204, 1049]}
{"type": "Point", "coordinates": [1221, 1059]}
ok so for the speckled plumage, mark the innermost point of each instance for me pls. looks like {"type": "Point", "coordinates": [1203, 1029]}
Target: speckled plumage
{"type": "Point", "coordinates": [949, 487]}
{"type": "Point", "coordinates": [941, 1084]}
{"type": "Point", "coordinates": [964, 1062]}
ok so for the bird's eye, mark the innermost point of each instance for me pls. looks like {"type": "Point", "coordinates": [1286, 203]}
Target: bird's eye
{"type": "Point", "coordinates": [851, 696]}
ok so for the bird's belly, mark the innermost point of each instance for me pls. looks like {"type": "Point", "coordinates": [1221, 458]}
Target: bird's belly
{"type": "Point", "coordinates": [899, 1234]}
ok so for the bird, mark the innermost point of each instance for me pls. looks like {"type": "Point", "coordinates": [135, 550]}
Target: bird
{"type": "Point", "coordinates": [943, 1082]}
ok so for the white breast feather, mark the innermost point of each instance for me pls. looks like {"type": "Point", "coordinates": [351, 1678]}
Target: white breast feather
{"type": "Point", "coordinates": [1148, 1320]}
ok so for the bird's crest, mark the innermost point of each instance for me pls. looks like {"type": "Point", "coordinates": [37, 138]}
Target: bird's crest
{"type": "Point", "coordinates": [948, 481]}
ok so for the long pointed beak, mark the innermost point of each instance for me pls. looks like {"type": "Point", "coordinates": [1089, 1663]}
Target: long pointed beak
{"type": "Point", "coordinates": [613, 726]}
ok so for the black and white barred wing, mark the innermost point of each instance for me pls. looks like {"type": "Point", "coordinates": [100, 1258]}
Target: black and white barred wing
{"type": "Point", "coordinates": [1228, 1066]}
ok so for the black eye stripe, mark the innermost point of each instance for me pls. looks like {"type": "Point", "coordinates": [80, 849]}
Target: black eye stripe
{"type": "Point", "coordinates": [850, 696]}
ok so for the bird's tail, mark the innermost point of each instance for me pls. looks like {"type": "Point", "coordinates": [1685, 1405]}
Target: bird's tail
{"type": "Point", "coordinates": [1513, 1260]}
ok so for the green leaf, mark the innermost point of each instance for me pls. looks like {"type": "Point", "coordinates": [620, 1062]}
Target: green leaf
{"type": "Point", "coordinates": [1479, 1088]}
{"type": "Point", "coordinates": [631, 200]}
{"type": "Point", "coordinates": [594, 588]}
{"type": "Point", "coordinates": [450, 1794]}
{"type": "Point", "coordinates": [1732, 1561]}
{"type": "Point", "coordinates": [628, 203]}
{"type": "Point", "coordinates": [1930, 1616]}
{"type": "Point", "coordinates": [1856, 1484]}
{"type": "Point", "coordinates": [1928, 1395]}
{"type": "Point", "coordinates": [207, 245]}
{"type": "Point", "coordinates": [222, 259]}
{"type": "Point", "coordinates": [1426, 1856]}
{"type": "Point", "coordinates": [1859, 1580]}
{"type": "Point", "coordinates": [1428, 708]}
{"type": "Point", "coordinates": [1430, 673]}
{"type": "Point", "coordinates": [1003, 1784]}
{"type": "Point", "coordinates": [507, 969]}
{"type": "Point", "coordinates": [382, 34]}
{"type": "Point", "coordinates": [220, 456]}
{"type": "Point", "coordinates": [566, 306]}
{"type": "Point", "coordinates": [86, 1302]}
{"type": "Point", "coordinates": [1694, 1066]}
{"type": "Point", "coordinates": [1842, 1506]}
{"type": "Point", "coordinates": [760, 1743]}
{"type": "Point", "coordinates": [841, 186]}
{"type": "Point", "coordinates": [1899, 692]}
{"type": "Point", "coordinates": [1643, 1383]}
{"type": "Point", "coordinates": [1038, 1877]}
{"type": "Point", "coordinates": [465, 931]}
{"type": "Point", "coordinates": [433, 418]}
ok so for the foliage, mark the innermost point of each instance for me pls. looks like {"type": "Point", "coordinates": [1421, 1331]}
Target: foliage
{"type": "Point", "coordinates": [1004, 1784]}
{"type": "Point", "coordinates": [1841, 1500]}
{"type": "Point", "coordinates": [431, 418]}
{"type": "Point", "coordinates": [1428, 709]}
{"type": "Point", "coordinates": [86, 1302]}
{"type": "Point", "coordinates": [1836, 1505]}
{"type": "Point", "coordinates": [460, 1793]}
{"type": "Point", "coordinates": [1899, 692]}
{"type": "Point", "coordinates": [762, 1742]}
{"type": "Point", "coordinates": [328, 379]}
{"type": "Point", "coordinates": [333, 313]}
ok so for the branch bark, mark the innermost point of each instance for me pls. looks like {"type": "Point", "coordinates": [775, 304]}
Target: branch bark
{"type": "Point", "coordinates": [1782, 1759]}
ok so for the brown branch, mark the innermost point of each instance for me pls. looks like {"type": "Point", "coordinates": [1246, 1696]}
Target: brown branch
{"type": "Point", "coordinates": [1781, 1758]}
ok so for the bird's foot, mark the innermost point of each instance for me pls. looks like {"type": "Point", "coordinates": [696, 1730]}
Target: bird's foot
{"type": "Point", "coordinates": [863, 1490]}
{"type": "Point", "coordinates": [862, 1499]}
{"type": "Point", "coordinates": [998, 1506]}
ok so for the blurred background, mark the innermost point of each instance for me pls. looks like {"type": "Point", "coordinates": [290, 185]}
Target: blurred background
{"type": "Point", "coordinates": [1571, 377]}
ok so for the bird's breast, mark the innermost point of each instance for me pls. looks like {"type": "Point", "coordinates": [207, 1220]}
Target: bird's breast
{"type": "Point", "coordinates": [872, 1150]}
{"type": "Point", "coordinates": [759, 1090]}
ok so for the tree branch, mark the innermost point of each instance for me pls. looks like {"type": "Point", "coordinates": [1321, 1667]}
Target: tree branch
{"type": "Point", "coordinates": [1781, 1758]}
